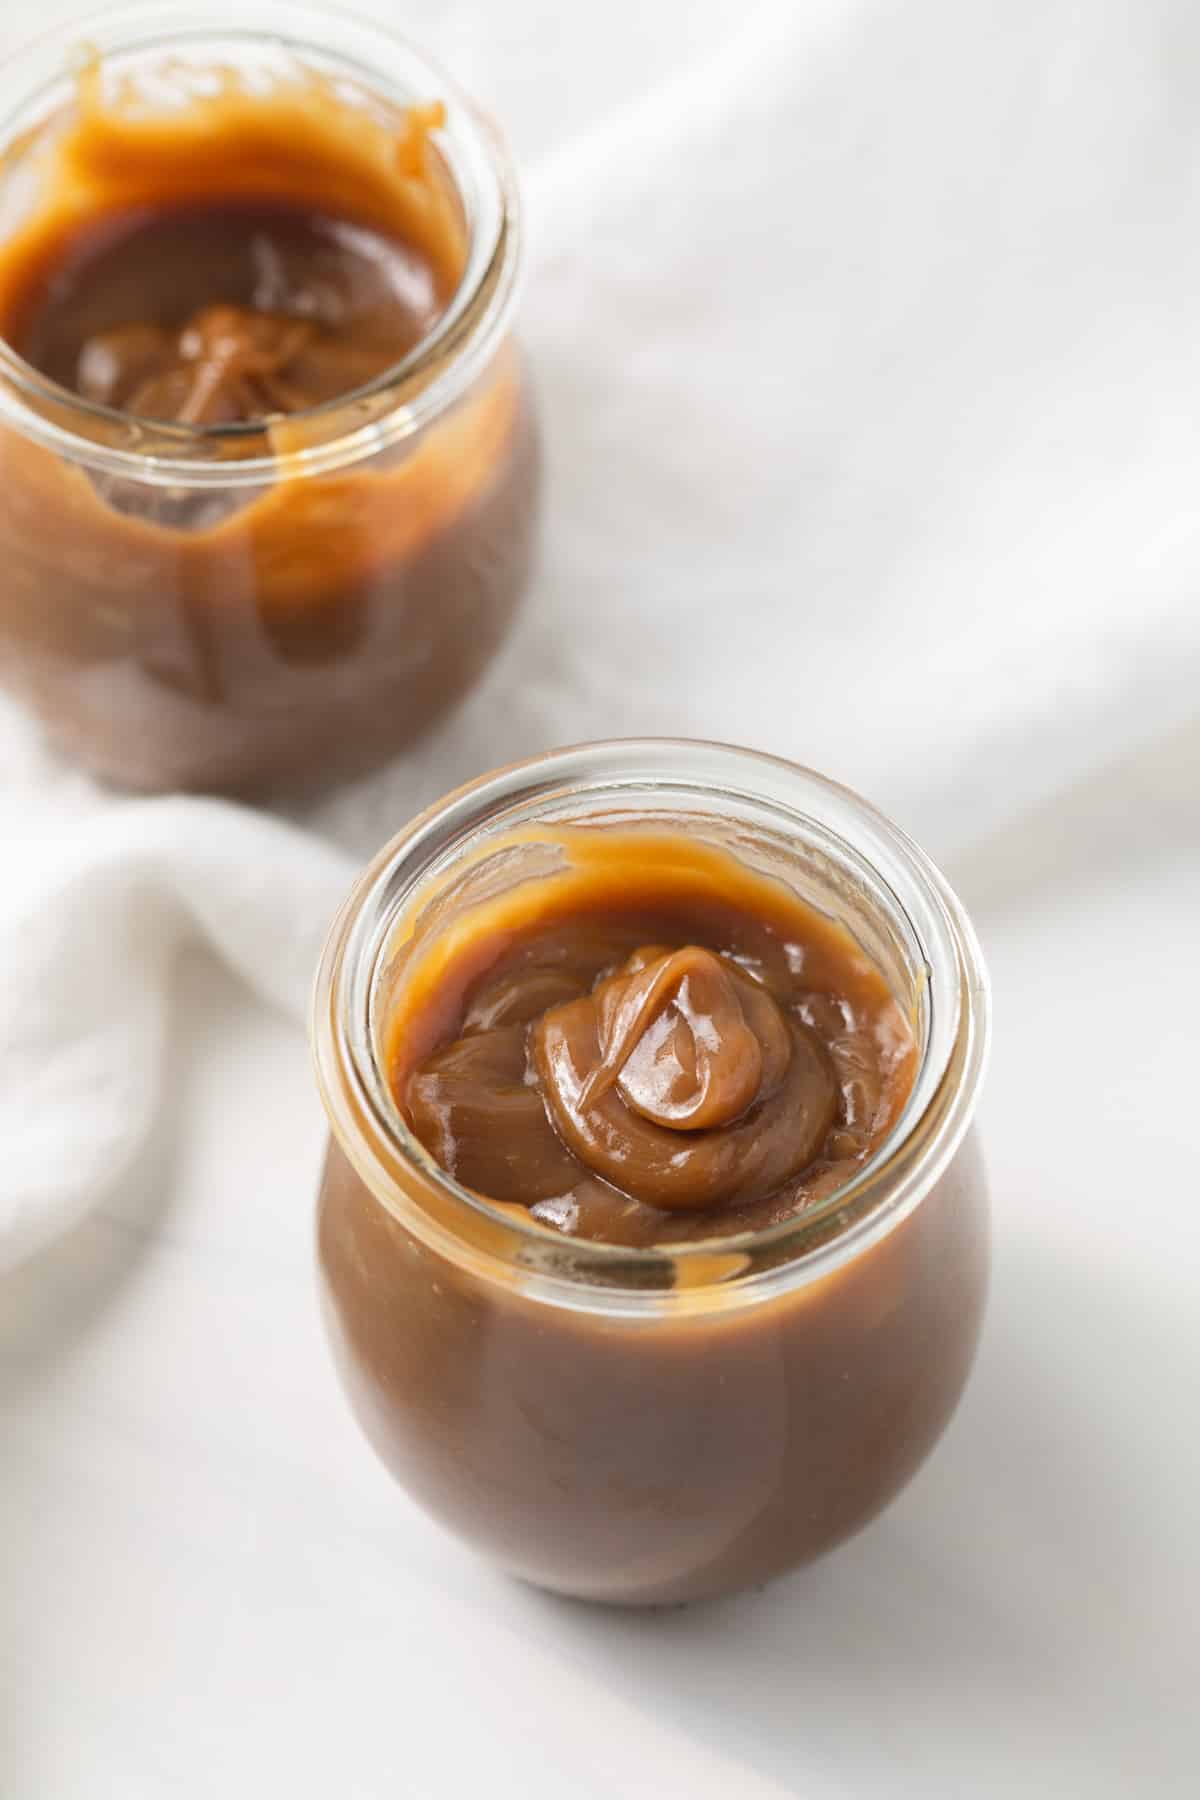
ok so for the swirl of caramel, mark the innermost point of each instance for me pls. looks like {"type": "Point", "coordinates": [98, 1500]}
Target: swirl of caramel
{"type": "Point", "coordinates": [226, 363]}
{"type": "Point", "coordinates": [680, 1081]}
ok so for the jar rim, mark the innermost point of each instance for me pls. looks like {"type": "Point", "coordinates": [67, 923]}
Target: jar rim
{"type": "Point", "coordinates": [369, 1129]}
{"type": "Point", "coordinates": [406, 396]}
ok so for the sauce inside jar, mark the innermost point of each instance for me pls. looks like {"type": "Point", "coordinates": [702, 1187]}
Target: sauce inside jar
{"type": "Point", "coordinates": [215, 315]}
{"type": "Point", "coordinates": [662, 1047]}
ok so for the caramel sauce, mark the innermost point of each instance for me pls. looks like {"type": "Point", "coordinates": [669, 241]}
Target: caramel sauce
{"type": "Point", "coordinates": [698, 1412]}
{"type": "Point", "coordinates": [658, 1046]}
{"type": "Point", "coordinates": [248, 258]}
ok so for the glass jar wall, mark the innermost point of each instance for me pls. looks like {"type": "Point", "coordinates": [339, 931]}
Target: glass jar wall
{"type": "Point", "coordinates": [278, 574]}
{"type": "Point", "coordinates": [656, 1424]}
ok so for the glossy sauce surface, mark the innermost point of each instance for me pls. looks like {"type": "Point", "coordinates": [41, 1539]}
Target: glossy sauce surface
{"type": "Point", "coordinates": [211, 315]}
{"type": "Point", "coordinates": [671, 1048]}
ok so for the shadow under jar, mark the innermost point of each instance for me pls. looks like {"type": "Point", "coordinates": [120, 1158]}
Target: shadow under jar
{"type": "Point", "coordinates": [268, 463]}
{"type": "Point", "coordinates": [651, 1421]}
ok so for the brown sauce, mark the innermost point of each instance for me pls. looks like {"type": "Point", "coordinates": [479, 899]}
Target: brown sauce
{"type": "Point", "coordinates": [667, 1049]}
{"type": "Point", "coordinates": [249, 260]}
{"type": "Point", "coordinates": [213, 315]}
{"type": "Point", "coordinates": [622, 1445]}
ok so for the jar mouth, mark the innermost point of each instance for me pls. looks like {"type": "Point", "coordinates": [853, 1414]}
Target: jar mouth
{"type": "Point", "coordinates": [394, 404]}
{"type": "Point", "coordinates": [955, 1026]}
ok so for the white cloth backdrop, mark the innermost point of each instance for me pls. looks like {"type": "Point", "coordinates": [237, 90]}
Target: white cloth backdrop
{"type": "Point", "coordinates": [867, 338]}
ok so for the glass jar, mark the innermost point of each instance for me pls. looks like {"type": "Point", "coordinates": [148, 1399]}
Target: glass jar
{"type": "Point", "coordinates": [653, 1425]}
{"type": "Point", "coordinates": [275, 603]}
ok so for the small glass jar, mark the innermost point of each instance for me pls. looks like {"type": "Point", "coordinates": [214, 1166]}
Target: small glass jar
{"type": "Point", "coordinates": [273, 604]}
{"type": "Point", "coordinates": [653, 1425]}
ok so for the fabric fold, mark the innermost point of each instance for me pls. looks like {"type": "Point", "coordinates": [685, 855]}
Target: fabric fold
{"type": "Point", "coordinates": [88, 940]}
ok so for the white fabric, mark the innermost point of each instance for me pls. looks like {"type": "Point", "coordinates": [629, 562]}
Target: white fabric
{"type": "Point", "coordinates": [89, 948]}
{"type": "Point", "coordinates": [866, 343]}
{"type": "Point", "coordinates": [867, 339]}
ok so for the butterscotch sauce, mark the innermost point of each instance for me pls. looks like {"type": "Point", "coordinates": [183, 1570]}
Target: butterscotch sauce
{"type": "Point", "coordinates": [295, 310]}
{"type": "Point", "coordinates": [659, 1046]}
{"type": "Point", "coordinates": [256, 258]}
{"type": "Point", "coordinates": [633, 1041]}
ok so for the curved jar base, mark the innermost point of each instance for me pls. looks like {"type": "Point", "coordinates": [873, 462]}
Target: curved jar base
{"type": "Point", "coordinates": [669, 1459]}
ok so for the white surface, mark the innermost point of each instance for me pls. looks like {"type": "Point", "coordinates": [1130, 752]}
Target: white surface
{"type": "Point", "coordinates": [949, 438]}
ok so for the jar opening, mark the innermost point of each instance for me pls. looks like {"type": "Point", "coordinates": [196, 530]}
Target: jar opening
{"type": "Point", "coordinates": [840, 854]}
{"type": "Point", "coordinates": [363, 67]}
